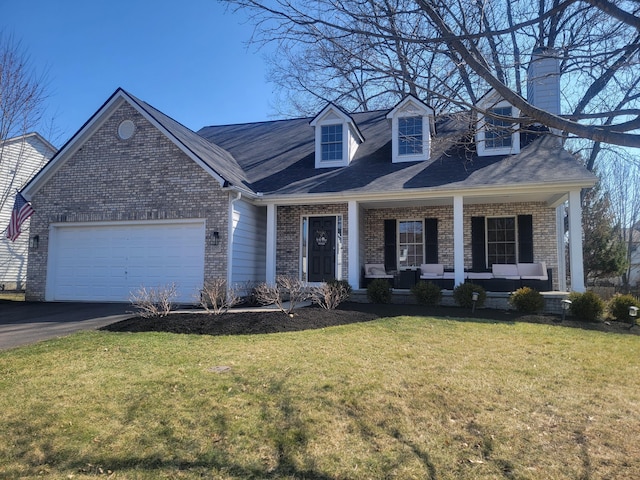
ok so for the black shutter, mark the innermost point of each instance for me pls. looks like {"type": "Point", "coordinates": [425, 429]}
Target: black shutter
{"type": "Point", "coordinates": [478, 246]}
{"type": "Point", "coordinates": [390, 250]}
{"type": "Point", "coordinates": [525, 238]}
{"type": "Point", "coordinates": [431, 240]}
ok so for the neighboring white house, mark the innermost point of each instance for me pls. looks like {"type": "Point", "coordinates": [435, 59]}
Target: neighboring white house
{"type": "Point", "coordinates": [20, 158]}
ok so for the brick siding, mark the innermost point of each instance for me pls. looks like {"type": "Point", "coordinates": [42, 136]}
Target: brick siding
{"type": "Point", "coordinates": [143, 178]}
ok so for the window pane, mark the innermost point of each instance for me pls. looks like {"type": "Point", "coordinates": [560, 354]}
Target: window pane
{"type": "Point", "coordinates": [410, 243]}
{"type": "Point", "coordinates": [498, 133]}
{"type": "Point", "coordinates": [501, 240]}
{"type": "Point", "coordinates": [331, 142]}
{"type": "Point", "coordinates": [409, 135]}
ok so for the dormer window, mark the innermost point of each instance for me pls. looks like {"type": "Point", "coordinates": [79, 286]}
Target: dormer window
{"type": "Point", "coordinates": [337, 137]}
{"type": "Point", "coordinates": [496, 135]}
{"type": "Point", "coordinates": [410, 136]}
{"type": "Point", "coordinates": [411, 130]}
{"type": "Point", "coordinates": [331, 143]}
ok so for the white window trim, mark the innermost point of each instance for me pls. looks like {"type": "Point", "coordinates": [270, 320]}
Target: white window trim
{"type": "Point", "coordinates": [486, 235]}
{"type": "Point", "coordinates": [398, 249]}
{"type": "Point", "coordinates": [411, 107]}
{"type": "Point", "coordinates": [484, 151]}
{"type": "Point", "coordinates": [351, 137]}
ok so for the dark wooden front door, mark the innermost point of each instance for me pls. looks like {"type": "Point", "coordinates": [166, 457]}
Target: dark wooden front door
{"type": "Point", "coordinates": [322, 249]}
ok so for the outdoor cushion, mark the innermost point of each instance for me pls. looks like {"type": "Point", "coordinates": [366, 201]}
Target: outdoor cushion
{"type": "Point", "coordinates": [479, 275]}
{"type": "Point", "coordinates": [501, 270]}
{"type": "Point", "coordinates": [375, 270]}
{"type": "Point", "coordinates": [533, 271]}
{"type": "Point", "coordinates": [431, 270]}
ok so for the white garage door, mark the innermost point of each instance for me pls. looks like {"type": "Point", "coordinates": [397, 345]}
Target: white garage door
{"type": "Point", "coordinates": [105, 262]}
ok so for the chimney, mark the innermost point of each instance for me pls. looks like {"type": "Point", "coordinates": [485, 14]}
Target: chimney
{"type": "Point", "coordinates": [543, 80]}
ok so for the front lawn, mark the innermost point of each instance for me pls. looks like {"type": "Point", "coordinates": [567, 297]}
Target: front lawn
{"type": "Point", "coordinates": [404, 397]}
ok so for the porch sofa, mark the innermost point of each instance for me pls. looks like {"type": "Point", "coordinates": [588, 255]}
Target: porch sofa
{"type": "Point", "coordinates": [501, 278]}
{"type": "Point", "coordinates": [376, 270]}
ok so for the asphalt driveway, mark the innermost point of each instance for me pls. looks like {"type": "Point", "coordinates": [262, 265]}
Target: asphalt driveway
{"type": "Point", "coordinates": [23, 323]}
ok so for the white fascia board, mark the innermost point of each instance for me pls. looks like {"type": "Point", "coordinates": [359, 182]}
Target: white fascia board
{"type": "Point", "coordinates": [556, 190]}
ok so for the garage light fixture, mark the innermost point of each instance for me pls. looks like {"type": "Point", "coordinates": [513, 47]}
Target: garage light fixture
{"type": "Point", "coordinates": [215, 239]}
{"type": "Point", "coordinates": [34, 242]}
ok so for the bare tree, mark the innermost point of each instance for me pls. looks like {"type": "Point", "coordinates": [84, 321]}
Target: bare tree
{"type": "Point", "coordinates": [619, 178]}
{"type": "Point", "coordinates": [22, 106]}
{"type": "Point", "coordinates": [451, 52]}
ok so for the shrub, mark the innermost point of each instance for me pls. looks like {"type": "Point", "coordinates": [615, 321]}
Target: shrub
{"type": "Point", "coordinates": [331, 294]}
{"type": "Point", "coordinates": [154, 302]}
{"type": "Point", "coordinates": [286, 288]}
{"type": "Point", "coordinates": [527, 300]}
{"type": "Point", "coordinates": [427, 293]}
{"type": "Point", "coordinates": [379, 291]}
{"type": "Point", "coordinates": [462, 295]}
{"type": "Point", "coordinates": [619, 307]}
{"type": "Point", "coordinates": [216, 298]}
{"type": "Point", "coordinates": [586, 306]}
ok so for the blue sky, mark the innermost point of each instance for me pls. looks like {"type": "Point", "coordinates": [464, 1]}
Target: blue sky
{"type": "Point", "coordinates": [187, 58]}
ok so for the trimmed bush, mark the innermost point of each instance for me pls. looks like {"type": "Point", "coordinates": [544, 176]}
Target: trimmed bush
{"type": "Point", "coordinates": [587, 306]}
{"type": "Point", "coordinates": [427, 293]}
{"type": "Point", "coordinates": [379, 291]}
{"type": "Point", "coordinates": [462, 295]}
{"type": "Point", "coordinates": [527, 300]}
{"type": "Point", "coordinates": [619, 307]}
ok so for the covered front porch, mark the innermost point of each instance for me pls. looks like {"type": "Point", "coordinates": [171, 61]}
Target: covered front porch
{"type": "Point", "coordinates": [466, 233]}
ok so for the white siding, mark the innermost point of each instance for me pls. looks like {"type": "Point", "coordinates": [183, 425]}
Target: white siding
{"type": "Point", "coordinates": [248, 237]}
{"type": "Point", "coordinates": [20, 159]}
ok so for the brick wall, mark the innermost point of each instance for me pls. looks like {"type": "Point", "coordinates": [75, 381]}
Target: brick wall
{"type": "Point", "coordinates": [544, 227]}
{"type": "Point", "coordinates": [143, 178]}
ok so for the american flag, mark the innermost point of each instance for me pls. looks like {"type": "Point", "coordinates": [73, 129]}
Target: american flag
{"type": "Point", "coordinates": [21, 211]}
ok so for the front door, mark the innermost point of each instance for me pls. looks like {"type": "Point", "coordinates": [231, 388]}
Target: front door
{"type": "Point", "coordinates": [322, 249]}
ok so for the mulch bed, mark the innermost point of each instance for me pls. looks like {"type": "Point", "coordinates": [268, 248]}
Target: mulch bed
{"type": "Point", "coordinates": [258, 322]}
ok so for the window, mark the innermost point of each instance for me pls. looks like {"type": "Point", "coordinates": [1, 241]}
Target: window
{"type": "Point", "coordinates": [409, 135]}
{"type": "Point", "coordinates": [498, 133]}
{"type": "Point", "coordinates": [331, 143]}
{"type": "Point", "coordinates": [410, 243]}
{"type": "Point", "coordinates": [501, 240]}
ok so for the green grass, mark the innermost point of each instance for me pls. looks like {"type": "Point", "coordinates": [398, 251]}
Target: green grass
{"type": "Point", "coordinates": [401, 398]}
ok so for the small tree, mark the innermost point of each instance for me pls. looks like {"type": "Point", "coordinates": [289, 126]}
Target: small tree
{"type": "Point", "coordinates": [605, 253]}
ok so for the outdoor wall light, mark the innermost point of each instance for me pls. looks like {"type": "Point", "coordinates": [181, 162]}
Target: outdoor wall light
{"type": "Point", "coordinates": [34, 242]}
{"type": "Point", "coordinates": [565, 306]}
{"type": "Point", "coordinates": [215, 239]}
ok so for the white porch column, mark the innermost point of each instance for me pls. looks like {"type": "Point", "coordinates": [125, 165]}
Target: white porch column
{"type": "Point", "coordinates": [575, 242]}
{"type": "Point", "coordinates": [458, 240]}
{"type": "Point", "coordinates": [353, 244]}
{"type": "Point", "coordinates": [562, 261]}
{"type": "Point", "coordinates": [270, 246]}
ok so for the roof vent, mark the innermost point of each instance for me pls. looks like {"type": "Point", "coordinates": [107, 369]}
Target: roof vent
{"type": "Point", "coordinates": [126, 129]}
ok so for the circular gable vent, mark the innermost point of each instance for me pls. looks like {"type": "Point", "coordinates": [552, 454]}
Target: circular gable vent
{"type": "Point", "coordinates": [126, 129]}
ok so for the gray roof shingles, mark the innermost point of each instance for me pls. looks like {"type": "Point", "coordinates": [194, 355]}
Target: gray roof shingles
{"type": "Point", "coordinates": [277, 157]}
